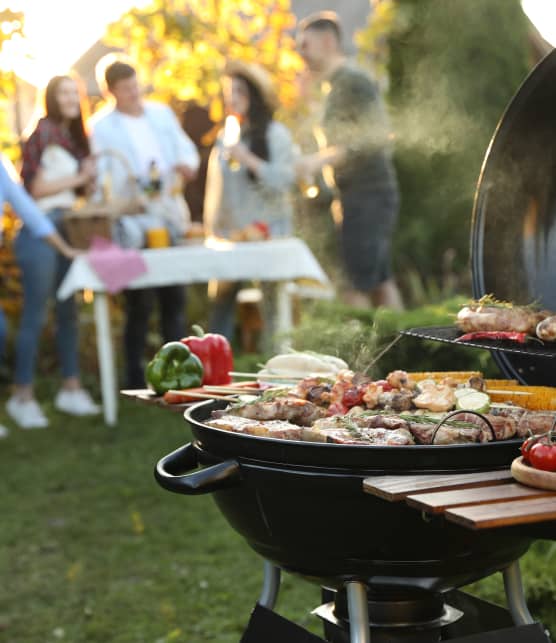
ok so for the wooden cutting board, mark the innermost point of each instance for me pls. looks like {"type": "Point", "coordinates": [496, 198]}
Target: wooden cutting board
{"type": "Point", "coordinates": [532, 477]}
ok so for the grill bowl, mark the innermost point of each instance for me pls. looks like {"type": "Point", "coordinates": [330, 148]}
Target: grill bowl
{"type": "Point", "coordinates": [302, 506]}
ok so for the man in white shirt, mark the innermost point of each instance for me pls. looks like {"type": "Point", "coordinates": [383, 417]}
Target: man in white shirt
{"type": "Point", "coordinates": [148, 135]}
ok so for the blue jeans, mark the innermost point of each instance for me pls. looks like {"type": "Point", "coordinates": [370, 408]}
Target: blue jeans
{"type": "Point", "coordinates": [42, 270]}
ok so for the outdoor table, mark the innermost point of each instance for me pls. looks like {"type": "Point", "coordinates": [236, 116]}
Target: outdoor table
{"type": "Point", "coordinates": [280, 260]}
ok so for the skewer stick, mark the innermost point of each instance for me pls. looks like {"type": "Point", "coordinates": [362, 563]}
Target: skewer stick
{"type": "Point", "coordinates": [274, 376]}
{"type": "Point", "coordinates": [232, 389]}
{"type": "Point", "coordinates": [202, 396]}
{"type": "Point", "coordinates": [508, 391]}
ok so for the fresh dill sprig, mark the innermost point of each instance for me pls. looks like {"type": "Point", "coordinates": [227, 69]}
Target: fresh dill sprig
{"type": "Point", "coordinates": [491, 301]}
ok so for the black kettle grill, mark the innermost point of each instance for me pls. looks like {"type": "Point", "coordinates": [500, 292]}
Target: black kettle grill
{"type": "Point", "coordinates": [301, 505]}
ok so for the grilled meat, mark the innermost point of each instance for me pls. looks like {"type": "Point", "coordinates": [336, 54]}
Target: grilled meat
{"type": "Point", "coordinates": [396, 400]}
{"type": "Point", "coordinates": [435, 397]}
{"type": "Point", "coordinates": [478, 316]}
{"type": "Point", "coordinates": [400, 379]}
{"type": "Point", "coordinates": [291, 409]}
{"type": "Point", "coordinates": [363, 436]}
{"type": "Point", "coordinates": [535, 422]}
{"type": "Point", "coordinates": [546, 329]}
{"type": "Point", "coordinates": [446, 434]}
{"type": "Point", "coordinates": [269, 429]}
{"type": "Point", "coordinates": [505, 427]}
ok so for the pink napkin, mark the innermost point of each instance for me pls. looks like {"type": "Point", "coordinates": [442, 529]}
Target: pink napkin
{"type": "Point", "coordinates": [115, 266]}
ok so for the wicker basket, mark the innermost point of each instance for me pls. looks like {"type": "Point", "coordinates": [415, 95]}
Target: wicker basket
{"type": "Point", "coordinates": [88, 219]}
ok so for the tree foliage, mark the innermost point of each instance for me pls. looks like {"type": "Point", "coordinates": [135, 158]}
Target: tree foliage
{"type": "Point", "coordinates": [181, 46]}
{"type": "Point", "coordinates": [11, 32]}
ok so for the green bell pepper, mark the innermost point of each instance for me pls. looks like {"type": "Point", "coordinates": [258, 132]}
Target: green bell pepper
{"type": "Point", "coordinates": [174, 367]}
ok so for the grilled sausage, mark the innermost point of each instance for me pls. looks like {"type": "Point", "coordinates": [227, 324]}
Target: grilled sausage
{"type": "Point", "coordinates": [546, 329]}
{"type": "Point", "coordinates": [480, 317]}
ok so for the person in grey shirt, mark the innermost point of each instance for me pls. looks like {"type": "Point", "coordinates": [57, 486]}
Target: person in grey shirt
{"type": "Point", "coordinates": [355, 157]}
{"type": "Point", "coordinates": [248, 181]}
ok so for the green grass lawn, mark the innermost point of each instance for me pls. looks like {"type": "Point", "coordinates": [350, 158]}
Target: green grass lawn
{"type": "Point", "coordinates": [92, 549]}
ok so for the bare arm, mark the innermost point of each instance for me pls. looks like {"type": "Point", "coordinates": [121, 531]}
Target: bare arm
{"type": "Point", "coordinates": [311, 164]}
{"type": "Point", "coordinates": [57, 242]}
{"type": "Point", "coordinates": [40, 187]}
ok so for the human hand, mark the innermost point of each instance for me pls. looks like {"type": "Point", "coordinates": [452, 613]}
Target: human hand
{"type": "Point", "coordinates": [185, 171]}
{"type": "Point", "coordinates": [306, 167]}
{"type": "Point", "coordinates": [238, 152]}
{"type": "Point", "coordinates": [71, 253]}
{"type": "Point", "coordinates": [88, 171]}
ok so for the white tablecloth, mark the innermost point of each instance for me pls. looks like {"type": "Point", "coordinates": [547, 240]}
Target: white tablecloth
{"type": "Point", "coordinates": [280, 260]}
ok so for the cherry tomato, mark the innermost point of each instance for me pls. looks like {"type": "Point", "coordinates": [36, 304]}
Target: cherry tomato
{"type": "Point", "coordinates": [352, 397]}
{"type": "Point", "coordinates": [543, 456]}
{"type": "Point", "coordinates": [384, 385]}
{"type": "Point", "coordinates": [526, 446]}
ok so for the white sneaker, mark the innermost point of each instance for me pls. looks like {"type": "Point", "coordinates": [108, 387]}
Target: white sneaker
{"type": "Point", "coordinates": [27, 414]}
{"type": "Point", "coordinates": [3, 431]}
{"type": "Point", "coordinates": [77, 402]}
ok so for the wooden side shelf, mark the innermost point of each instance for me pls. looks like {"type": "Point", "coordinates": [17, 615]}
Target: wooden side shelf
{"type": "Point", "coordinates": [482, 500]}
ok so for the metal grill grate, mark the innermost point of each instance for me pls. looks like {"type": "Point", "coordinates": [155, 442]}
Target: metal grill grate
{"type": "Point", "coordinates": [449, 334]}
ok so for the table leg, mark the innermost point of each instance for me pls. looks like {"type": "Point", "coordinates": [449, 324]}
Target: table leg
{"type": "Point", "coordinates": [284, 314]}
{"type": "Point", "coordinates": [514, 595]}
{"type": "Point", "coordinates": [105, 358]}
{"type": "Point", "coordinates": [359, 628]}
{"type": "Point", "coordinates": [271, 585]}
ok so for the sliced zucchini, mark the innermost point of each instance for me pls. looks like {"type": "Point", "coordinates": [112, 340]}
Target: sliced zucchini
{"type": "Point", "coordinates": [473, 401]}
{"type": "Point", "coordinates": [464, 390]}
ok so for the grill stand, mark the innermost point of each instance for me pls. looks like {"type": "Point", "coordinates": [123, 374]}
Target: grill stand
{"type": "Point", "coordinates": [514, 595]}
{"type": "Point", "coordinates": [357, 605]}
{"type": "Point", "coordinates": [271, 585]}
{"type": "Point", "coordinates": [358, 611]}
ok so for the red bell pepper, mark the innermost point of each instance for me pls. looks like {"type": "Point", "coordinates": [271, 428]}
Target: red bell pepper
{"type": "Point", "coordinates": [215, 353]}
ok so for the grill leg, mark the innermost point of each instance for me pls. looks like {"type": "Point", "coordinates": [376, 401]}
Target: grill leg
{"type": "Point", "coordinates": [359, 628]}
{"type": "Point", "coordinates": [271, 585]}
{"type": "Point", "coordinates": [514, 595]}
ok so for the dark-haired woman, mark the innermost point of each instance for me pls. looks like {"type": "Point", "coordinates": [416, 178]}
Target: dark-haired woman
{"type": "Point", "coordinates": [56, 167]}
{"type": "Point", "coordinates": [250, 180]}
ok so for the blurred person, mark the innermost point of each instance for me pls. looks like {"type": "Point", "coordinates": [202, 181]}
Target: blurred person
{"type": "Point", "coordinates": [56, 166]}
{"type": "Point", "coordinates": [250, 180]}
{"type": "Point", "coordinates": [148, 135]}
{"type": "Point", "coordinates": [355, 158]}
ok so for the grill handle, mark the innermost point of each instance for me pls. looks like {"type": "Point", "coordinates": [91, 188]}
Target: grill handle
{"type": "Point", "coordinates": [175, 472]}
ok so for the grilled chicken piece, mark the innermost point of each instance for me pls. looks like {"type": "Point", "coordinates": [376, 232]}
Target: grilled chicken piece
{"type": "Point", "coordinates": [400, 379]}
{"type": "Point", "coordinates": [535, 422]}
{"type": "Point", "coordinates": [362, 436]}
{"type": "Point", "coordinates": [268, 429]}
{"type": "Point", "coordinates": [371, 395]}
{"type": "Point", "coordinates": [436, 398]}
{"type": "Point", "coordinates": [396, 400]}
{"type": "Point", "coordinates": [291, 409]}
{"type": "Point", "coordinates": [483, 317]}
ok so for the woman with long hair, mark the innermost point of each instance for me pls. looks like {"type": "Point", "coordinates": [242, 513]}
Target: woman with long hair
{"type": "Point", "coordinates": [249, 181]}
{"type": "Point", "coordinates": [57, 166]}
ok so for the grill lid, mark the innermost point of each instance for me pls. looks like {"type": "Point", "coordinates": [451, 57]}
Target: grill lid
{"type": "Point", "coordinates": [513, 235]}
